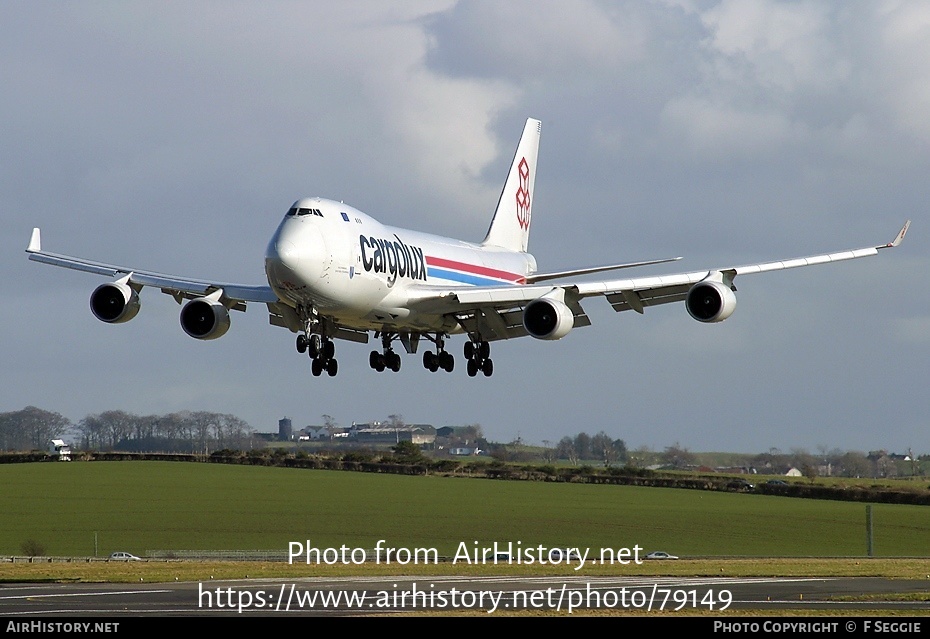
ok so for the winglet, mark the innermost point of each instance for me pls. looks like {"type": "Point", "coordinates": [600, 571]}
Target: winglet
{"type": "Point", "coordinates": [35, 242]}
{"type": "Point", "coordinates": [900, 236]}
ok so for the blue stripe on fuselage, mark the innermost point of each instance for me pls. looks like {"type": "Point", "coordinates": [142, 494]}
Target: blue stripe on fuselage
{"type": "Point", "coordinates": [463, 278]}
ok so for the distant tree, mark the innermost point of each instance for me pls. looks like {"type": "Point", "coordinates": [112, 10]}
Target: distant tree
{"type": "Point", "coordinates": [407, 452]}
{"type": "Point", "coordinates": [231, 432]}
{"type": "Point", "coordinates": [678, 456]}
{"type": "Point", "coordinates": [608, 450]}
{"type": "Point", "coordinates": [810, 471]}
{"type": "Point", "coordinates": [641, 457]}
{"type": "Point", "coordinates": [30, 428]}
{"type": "Point", "coordinates": [583, 446]}
{"type": "Point", "coordinates": [800, 458]}
{"type": "Point", "coordinates": [854, 464]}
{"type": "Point", "coordinates": [109, 428]}
{"type": "Point", "coordinates": [565, 449]}
{"type": "Point", "coordinates": [189, 432]}
{"type": "Point", "coordinates": [472, 433]}
{"type": "Point", "coordinates": [548, 454]}
{"type": "Point", "coordinates": [620, 450]}
{"type": "Point", "coordinates": [886, 467]}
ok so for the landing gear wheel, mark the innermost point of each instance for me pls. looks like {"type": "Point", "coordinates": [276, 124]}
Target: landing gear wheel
{"type": "Point", "coordinates": [430, 362]}
{"type": "Point", "coordinates": [301, 343]}
{"type": "Point", "coordinates": [374, 358]}
{"type": "Point", "coordinates": [446, 361]}
{"type": "Point", "coordinates": [329, 349]}
{"type": "Point", "coordinates": [487, 368]}
{"type": "Point", "coordinates": [484, 350]}
{"type": "Point", "coordinates": [316, 368]}
{"type": "Point", "coordinates": [379, 365]}
{"type": "Point", "coordinates": [392, 361]}
{"type": "Point", "coordinates": [472, 368]}
{"type": "Point", "coordinates": [313, 346]}
{"type": "Point", "coordinates": [469, 350]}
{"type": "Point", "coordinates": [331, 367]}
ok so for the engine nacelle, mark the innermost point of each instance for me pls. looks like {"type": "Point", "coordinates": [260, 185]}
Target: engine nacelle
{"type": "Point", "coordinates": [204, 318]}
{"type": "Point", "coordinates": [114, 302]}
{"type": "Point", "coordinates": [710, 301]}
{"type": "Point", "coordinates": [548, 318]}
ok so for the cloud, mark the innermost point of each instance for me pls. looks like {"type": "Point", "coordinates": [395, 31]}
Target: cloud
{"type": "Point", "coordinates": [174, 137]}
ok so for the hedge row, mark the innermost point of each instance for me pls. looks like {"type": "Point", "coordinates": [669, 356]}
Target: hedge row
{"type": "Point", "coordinates": [366, 463]}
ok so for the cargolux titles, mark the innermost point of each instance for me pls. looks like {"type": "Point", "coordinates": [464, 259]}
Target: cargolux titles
{"type": "Point", "coordinates": [394, 258]}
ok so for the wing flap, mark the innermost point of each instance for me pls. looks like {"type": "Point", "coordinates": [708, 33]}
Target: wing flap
{"type": "Point", "coordinates": [493, 325]}
{"type": "Point", "coordinates": [628, 300]}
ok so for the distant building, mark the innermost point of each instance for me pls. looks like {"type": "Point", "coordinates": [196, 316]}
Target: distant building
{"type": "Point", "coordinates": [285, 430]}
{"type": "Point", "coordinates": [377, 432]}
{"type": "Point", "coordinates": [315, 433]}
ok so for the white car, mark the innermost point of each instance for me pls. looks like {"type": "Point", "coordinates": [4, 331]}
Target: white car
{"type": "Point", "coordinates": [124, 556]}
{"type": "Point", "coordinates": [658, 554]}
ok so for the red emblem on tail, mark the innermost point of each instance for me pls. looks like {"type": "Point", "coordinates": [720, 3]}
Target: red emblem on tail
{"type": "Point", "coordinates": [523, 195]}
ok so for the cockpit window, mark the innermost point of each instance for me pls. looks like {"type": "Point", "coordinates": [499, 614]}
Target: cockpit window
{"type": "Point", "coordinates": [303, 211]}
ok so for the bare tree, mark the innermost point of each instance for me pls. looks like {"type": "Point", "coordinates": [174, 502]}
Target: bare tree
{"type": "Point", "coordinates": [641, 457]}
{"type": "Point", "coordinates": [30, 428]}
{"type": "Point", "coordinates": [583, 446]}
{"type": "Point", "coordinates": [603, 446]}
{"type": "Point", "coordinates": [678, 456]}
{"type": "Point", "coordinates": [855, 464]}
{"type": "Point", "coordinates": [565, 449]}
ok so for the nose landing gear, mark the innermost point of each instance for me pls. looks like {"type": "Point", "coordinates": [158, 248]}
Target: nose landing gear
{"type": "Point", "coordinates": [322, 351]}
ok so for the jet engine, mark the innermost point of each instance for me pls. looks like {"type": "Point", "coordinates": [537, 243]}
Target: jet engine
{"type": "Point", "coordinates": [710, 301]}
{"type": "Point", "coordinates": [548, 318]}
{"type": "Point", "coordinates": [114, 302]}
{"type": "Point", "coordinates": [205, 318]}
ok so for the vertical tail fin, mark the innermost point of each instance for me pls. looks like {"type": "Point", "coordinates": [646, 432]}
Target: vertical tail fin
{"type": "Point", "coordinates": [510, 227]}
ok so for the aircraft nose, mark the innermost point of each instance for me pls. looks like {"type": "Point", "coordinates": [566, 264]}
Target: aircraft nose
{"type": "Point", "coordinates": [286, 254]}
{"type": "Point", "coordinates": [296, 254]}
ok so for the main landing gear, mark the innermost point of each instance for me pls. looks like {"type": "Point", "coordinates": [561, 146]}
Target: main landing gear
{"type": "Point", "coordinates": [478, 355]}
{"type": "Point", "coordinates": [322, 351]}
{"type": "Point", "coordinates": [387, 359]}
{"type": "Point", "coordinates": [440, 359]}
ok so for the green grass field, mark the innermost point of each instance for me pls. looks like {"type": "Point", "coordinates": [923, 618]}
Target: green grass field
{"type": "Point", "coordinates": [144, 506]}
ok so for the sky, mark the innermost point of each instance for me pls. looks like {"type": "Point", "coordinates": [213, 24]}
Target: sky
{"type": "Point", "coordinates": [174, 136]}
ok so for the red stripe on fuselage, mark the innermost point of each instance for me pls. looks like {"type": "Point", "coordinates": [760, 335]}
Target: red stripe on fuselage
{"type": "Point", "coordinates": [475, 269]}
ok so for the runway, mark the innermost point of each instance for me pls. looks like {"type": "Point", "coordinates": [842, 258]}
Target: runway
{"type": "Point", "coordinates": [487, 596]}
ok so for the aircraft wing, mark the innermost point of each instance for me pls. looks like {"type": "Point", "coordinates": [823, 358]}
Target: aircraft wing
{"type": "Point", "coordinates": [496, 312]}
{"type": "Point", "coordinates": [234, 295]}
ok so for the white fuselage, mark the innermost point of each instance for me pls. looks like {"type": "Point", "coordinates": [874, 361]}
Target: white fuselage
{"type": "Point", "coordinates": [332, 258]}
